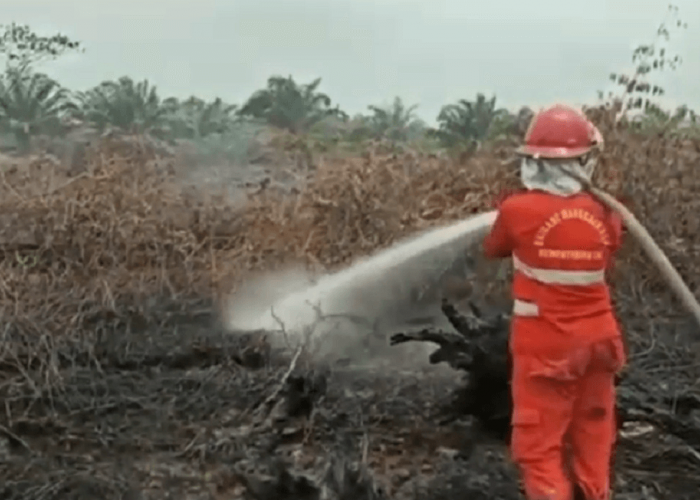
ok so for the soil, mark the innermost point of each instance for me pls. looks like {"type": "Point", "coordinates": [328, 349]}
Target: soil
{"type": "Point", "coordinates": [180, 409]}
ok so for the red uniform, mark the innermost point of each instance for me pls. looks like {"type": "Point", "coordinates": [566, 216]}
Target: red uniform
{"type": "Point", "coordinates": [565, 340]}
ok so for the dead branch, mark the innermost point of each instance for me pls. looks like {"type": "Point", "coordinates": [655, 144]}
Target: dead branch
{"type": "Point", "coordinates": [263, 411]}
{"type": "Point", "coordinates": [454, 349]}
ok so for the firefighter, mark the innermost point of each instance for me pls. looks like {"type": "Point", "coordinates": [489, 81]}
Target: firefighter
{"type": "Point", "coordinates": [565, 342]}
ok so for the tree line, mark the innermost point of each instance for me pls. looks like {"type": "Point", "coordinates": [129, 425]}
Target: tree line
{"type": "Point", "coordinates": [32, 104]}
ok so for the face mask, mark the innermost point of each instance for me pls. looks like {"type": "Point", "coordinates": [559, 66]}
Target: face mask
{"type": "Point", "coordinates": [546, 174]}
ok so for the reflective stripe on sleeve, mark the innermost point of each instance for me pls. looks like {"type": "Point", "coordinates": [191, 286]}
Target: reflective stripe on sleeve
{"type": "Point", "coordinates": [559, 277]}
{"type": "Point", "coordinates": [522, 308]}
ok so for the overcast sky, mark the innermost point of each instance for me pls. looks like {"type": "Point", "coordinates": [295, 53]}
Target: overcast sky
{"type": "Point", "coordinates": [429, 52]}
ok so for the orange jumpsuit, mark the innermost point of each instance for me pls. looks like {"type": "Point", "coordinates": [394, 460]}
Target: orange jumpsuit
{"type": "Point", "coordinates": [565, 340]}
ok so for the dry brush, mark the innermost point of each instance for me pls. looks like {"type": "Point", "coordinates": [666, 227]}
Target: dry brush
{"type": "Point", "coordinates": [115, 237]}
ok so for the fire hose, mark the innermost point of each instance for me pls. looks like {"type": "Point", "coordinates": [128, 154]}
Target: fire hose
{"type": "Point", "coordinates": [642, 236]}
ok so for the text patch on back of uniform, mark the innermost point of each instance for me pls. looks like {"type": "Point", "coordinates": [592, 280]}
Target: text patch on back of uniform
{"type": "Point", "coordinates": [569, 214]}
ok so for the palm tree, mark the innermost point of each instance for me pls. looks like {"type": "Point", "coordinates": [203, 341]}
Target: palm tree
{"type": "Point", "coordinates": [131, 108]}
{"type": "Point", "coordinates": [196, 118]}
{"type": "Point", "coordinates": [469, 121]}
{"type": "Point", "coordinates": [290, 106]}
{"type": "Point", "coordinates": [396, 122]}
{"type": "Point", "coordinates": [30, 104]}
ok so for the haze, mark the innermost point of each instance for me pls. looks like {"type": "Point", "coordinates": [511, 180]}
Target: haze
{"type": "Point", "coordinates": [430, 52]}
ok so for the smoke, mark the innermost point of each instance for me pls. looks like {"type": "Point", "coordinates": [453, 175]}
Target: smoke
{"type": "Point", "coordinates": [349, 314]}
{"type": "Point", "coordinates": [350, 336]}
{"type": "Point", "coordinates": [257, 296]}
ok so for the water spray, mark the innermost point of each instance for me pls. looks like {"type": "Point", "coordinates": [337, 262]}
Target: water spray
{"type": "Point", "coordinates": [373, 287]}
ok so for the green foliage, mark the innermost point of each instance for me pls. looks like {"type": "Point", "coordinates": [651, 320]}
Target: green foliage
{"type": "Point", "coordinates": [129, 107]}
{"type": "Point", "coordinates": [290, 106]}
{"type": "Point", "coordinates": [23, 48]}
{"type": "Point", "coordinates": [396, 122]}
{"type": "Point", "coordinates": [503, 125]}
{"type": "Point", "coordinates": [468, 122]}
{"type": "Point", "coordinates": [31, 104]}
{"type": "Point", "coordinates": [195, 118]}
{"type": "Point", "coordinates": [357, 129]}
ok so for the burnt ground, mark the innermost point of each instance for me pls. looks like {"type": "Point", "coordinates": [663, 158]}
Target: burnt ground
{"type": "Point", "coordinates": [181, 410]}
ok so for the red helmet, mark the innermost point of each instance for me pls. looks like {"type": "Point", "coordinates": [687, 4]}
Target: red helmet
{"type": "Point", "coordinates": [560, 132]}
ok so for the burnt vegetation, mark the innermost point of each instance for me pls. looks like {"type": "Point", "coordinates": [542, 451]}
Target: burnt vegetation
{"type": "Point", "coordinates": [119, 381]}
